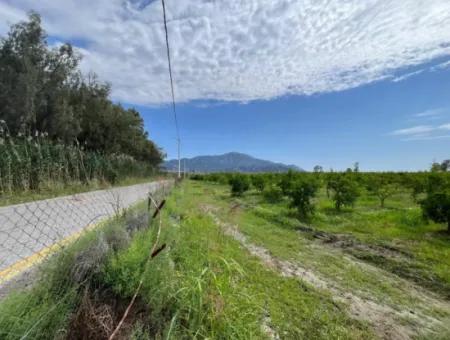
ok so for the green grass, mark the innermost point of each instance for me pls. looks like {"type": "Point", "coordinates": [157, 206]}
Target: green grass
{"type": "Point", "coordinates": [206, 286]}
{"type": "Point", "coordinates": [203, 285]}
{"type": "Point", "coordinates": [423, 250]}
{"type": "Point", "coordinates": [45, 310]}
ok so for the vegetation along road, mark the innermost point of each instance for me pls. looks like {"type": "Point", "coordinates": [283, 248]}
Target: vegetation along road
{"type": "Point", "coordinates": [29, 230]}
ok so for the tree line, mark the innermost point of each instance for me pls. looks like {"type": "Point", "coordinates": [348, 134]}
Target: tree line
{"type": "Point", "coordinates": [42, 90]}
{"type": "Point", "coordinates": [431, 190]}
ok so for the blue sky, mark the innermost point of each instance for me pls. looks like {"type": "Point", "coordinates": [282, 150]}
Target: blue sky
{"type": "Point", "coordinates": [327, 82]}
{"type": "Point", "coordinates": [333, 130]}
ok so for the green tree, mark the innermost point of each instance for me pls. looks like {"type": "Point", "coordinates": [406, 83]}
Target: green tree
{"type": "Point", "coordinates": [436, 206]}
{"type": "Point", "coordinates": [42, 90]}
{"type": "Point", "coordinates": [239, 184]}
{"type": "Point", "coordinates": [383, 187]}
{"type": "Point", "coordinates": [384, 191]}
{"type": "Point", "coordinates": [345, 190]}
{"type": "Point", "coordinates": [272, 193]}
{"type": "Point", "coordinates": [259, 182]}
{"type": "Point", "coordinates": [318, 169]}
{"type": "Point", "coordinates": [286, 182]}
{"type": "Point", "coordinates": [438, 167]}
{"type": "Point", "coordinates": [301, 194]}
{"type": "Point", "coordinates": [436, 183]}
{"type": "Point", "coordinates": [416, 183]}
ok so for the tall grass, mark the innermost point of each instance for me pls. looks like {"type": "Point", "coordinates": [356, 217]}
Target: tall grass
{"type": "Point", "coordinates": [46, 309]}
{"type": "Point", "coordinates": [32, 163]}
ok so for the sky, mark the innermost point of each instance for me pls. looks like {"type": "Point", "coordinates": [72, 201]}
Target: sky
{"type": "Point", "coordinates": [305, 82]}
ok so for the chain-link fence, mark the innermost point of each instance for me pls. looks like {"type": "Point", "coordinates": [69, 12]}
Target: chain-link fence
{"type": "Point", "coordinates": [32, 232]}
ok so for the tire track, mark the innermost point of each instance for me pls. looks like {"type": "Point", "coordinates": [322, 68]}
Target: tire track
{"type": "Point", "coordinates": [387, 322]}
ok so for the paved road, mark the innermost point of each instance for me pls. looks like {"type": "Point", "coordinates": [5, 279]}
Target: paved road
{"type": "Point", "coordinates": [29, 229]}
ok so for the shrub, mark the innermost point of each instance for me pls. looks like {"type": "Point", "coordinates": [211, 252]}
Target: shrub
{"type": "Point", "coordinates": [258, 182]}
{"type": "Point", "coordinates": [286, 182]}
{"type": "Point", "coordinates": [197, 177]}
{"type": "Point", "coordinates": [345, 191]}
{"type": "Point", "coordinates": [239, 184]}
{"type": "Point", "coordinates": [416, 184]}
{"type": "Point", "coordinates": [301, 194]}
{"type": "Point", "coordinates": [272, 194]}
{"type": "Point", "coordinates": [436, 183]}
{"type": "Point", "coordinates": [436, 207]}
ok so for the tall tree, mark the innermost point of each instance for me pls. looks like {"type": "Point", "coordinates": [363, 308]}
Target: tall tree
{"type": "Point", "coordinates": [42, 90]}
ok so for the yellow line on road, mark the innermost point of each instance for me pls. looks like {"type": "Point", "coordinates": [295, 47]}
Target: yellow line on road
{"type": "Point", "coordinates": [26, 263]}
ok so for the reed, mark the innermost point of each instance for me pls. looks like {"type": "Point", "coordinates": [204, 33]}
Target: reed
{"type": "Point", "coordinates": [35, 162]}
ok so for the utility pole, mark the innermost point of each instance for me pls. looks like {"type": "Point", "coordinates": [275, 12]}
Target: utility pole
{"type": "Point", "coordinates": [171, 87]}
{"type": "Point", "coordinates": [179, 159]}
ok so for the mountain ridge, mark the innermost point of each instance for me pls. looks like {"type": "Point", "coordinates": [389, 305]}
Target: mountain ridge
{"type": "Point", "coordinates": [229, 162]}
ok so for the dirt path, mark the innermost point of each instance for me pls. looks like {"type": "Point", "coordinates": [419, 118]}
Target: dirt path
{"type": "Point", "coordinates": [387, 322]}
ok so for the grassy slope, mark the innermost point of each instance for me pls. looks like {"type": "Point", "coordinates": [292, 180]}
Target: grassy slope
{"type": "Point", "coordinates": [207, 286]}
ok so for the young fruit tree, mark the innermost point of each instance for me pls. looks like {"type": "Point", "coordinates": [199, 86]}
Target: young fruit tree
{"type": "Point", "coordinates": [383, 188]}
{"type": "Point", "coordinates": [239, 184]}
{"type": "Point", "coordinates": [345, 191]}
{"type": "Point", "coordinates": [286, 182]}
{"type": "Point", "coordinates": [436, 207]}
{"type": "Point", "coordinates": [415, 183]}
{"type": "Point", "coordinates": [258, 182]}
{"type": "Point", "coordinates": [301, 194]}
{"type": "Point", "coordinates": [272, 193]}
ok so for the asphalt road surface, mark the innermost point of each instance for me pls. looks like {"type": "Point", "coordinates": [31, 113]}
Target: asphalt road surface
{"type": "Point", "coordinates": [28, 230]}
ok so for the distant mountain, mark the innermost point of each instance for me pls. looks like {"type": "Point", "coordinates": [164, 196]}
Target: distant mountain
{"type": "Point", "coordinates": [229, 162]}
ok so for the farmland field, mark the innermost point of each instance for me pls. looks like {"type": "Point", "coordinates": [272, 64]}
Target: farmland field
{"type": "Point", "coordinates": [385, 267]}
{"type": "Point", "coordinates": [243, 267]}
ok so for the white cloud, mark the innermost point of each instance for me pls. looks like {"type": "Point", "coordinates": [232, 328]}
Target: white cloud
{"type": "Point", "coordinates": [423, 132]}
{"type": "Point", "coordinates": [407, 75]}
{"type": "Point", "coordinates": [9, 15]}
{"type": "Point", "coordinates": [418, 138]}
{"type": "Point", "coordinates": [442, 66]}
{"type": "Point", "coordinates": [415, 130]}
{"type": "Point", "coordinates": [429, 113]}
{"type": "Point", "coordinates": [244, 49]}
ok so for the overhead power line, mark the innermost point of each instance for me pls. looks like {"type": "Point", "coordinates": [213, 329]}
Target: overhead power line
{"type": "Point", "coordinates": [171, 87]}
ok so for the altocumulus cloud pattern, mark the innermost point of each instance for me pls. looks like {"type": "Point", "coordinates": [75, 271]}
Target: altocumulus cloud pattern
{"type": "Point", "coordinates": [242, 50]}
